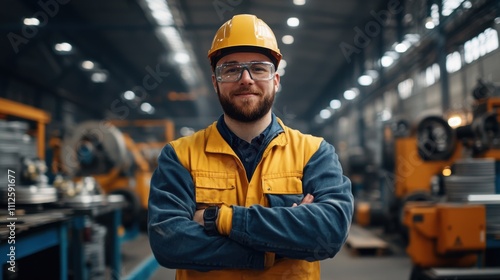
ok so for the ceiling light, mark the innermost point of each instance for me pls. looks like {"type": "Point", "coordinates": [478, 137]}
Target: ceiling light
{"type": "Point", "coordinates": [386, 61]}
{"type": "Point", "coordinates": [147, 108]}
{"type": "Point", "coordinates": [385, 115]}
{"type": "Point", "coordinates": [63, 47]}
{"type": "Point", "coordinates": [181, 57]}
{"type": "Point", "coordinates": [350, 94]}
{"type": "Point", "coordinates": [429, 23]}
{"type": "Point", "coordinates": [335, 104]}
{"type": "Point", "coordinates": [99, 77]}
{"type": "Point", "coordinates": [31, 21]}
{"type": "Point", "coordinates": [455, 121]}
{"type": "Point", "coordinates": [160, 12]}
{"type": "Point", "coordinates": [163, 17]}
{"type": "Point", "coordinates": [281, 72]}
{"type": "Point", "coordinates": [88, 65]}
{"type": "Point", "coordinates": [365, 80]}
{"type": "Point", "coordinates": [287, 39]}
{"type": "Point", "coordinates": [325, 114]}
{"type": "Point", "coordinates": [299, 2]}
{"type": "Point", "coordinates": [168, 21]}
{"type": "Point", "coordinates": [129, 95]}
{"type": "Point", "coordinates": [293, 22]}
{"type": "Point", "coordinates": [401, 47]}
{"type": "Point", "coordinates": [282, 64]}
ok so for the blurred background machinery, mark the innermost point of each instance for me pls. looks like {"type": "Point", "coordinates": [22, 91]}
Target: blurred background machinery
{"type": "Point", "coordinates": [439, 187]}
{"type": "Point", "coordinates": [120, 156]}
{"type": "Point", "coordinates": [22, 146]}
{"type": "Point", "coordinates": [45, 214]}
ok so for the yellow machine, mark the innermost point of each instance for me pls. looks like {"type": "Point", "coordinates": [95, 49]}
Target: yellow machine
{"type": "Point", "coordinates": [458, 234]}
{"type": "Point", "coordinates": [445, 234]}
{"type": "Point", "coordinates": [121, 156]}
{"type": "Point", "coordinates": [418, 156]}
{"type": "Point", "coordinates": [413, 174]}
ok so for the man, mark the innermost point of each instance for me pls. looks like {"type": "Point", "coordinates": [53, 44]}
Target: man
{"type": "Point", "coordinates": [247, 197]}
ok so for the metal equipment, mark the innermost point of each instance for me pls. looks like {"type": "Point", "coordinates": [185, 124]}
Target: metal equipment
{"type": "Point", "coordinates": [120, 165]}
{"type": "Point", "coordinates": [420, 152]}
{"type": "Point", "coordinates": [458, 235]}
{"type": "Point", "coordinates": [23, 155]}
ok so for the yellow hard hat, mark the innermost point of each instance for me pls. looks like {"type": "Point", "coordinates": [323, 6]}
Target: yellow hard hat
{"type": "Point", "coordinates": [244, 33]}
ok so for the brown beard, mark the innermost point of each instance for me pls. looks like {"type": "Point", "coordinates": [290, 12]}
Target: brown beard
{"type": "Point", "coordinates": [242, 115]}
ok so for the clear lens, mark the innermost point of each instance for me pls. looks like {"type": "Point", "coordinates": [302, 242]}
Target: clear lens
{"type": "Point", "coordinates": [231, 72]}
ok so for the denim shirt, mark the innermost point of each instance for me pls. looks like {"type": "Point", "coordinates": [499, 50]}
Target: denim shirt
{"type": "Point", "coordinates": [250, 154]}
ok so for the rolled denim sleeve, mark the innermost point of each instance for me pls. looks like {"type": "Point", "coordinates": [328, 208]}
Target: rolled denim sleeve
{"type": "Point", "coordinates": [176, 240]}
{"type": "Point", "coordinates": [313, 231]}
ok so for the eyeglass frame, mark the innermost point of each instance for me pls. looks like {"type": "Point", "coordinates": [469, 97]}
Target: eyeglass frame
{"type": "Point", "coordinates": [245, 66]}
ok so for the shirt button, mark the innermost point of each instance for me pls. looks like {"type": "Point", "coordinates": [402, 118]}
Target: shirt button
{"type": "Point", "coordinates": [247, 160]}
{"type": "Point", "coordinates": [268, 188]}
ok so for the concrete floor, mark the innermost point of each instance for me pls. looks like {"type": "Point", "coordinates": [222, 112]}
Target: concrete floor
{"type": "Point", "coordinates": [394, 265]}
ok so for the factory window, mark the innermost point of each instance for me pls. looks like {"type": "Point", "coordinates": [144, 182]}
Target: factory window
{"type": "Point", "coordinates": [432, 74]}
{"type": "Point", "coordinates": [405, 88]}
{"type": "Point", "coordinates": [453, 62]}
{"type": "Point", "coordinates": [482, 44]}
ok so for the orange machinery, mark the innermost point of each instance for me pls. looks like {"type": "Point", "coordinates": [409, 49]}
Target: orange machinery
{"type": "Point", "coordinates": [42, 118]}
{"type": "Point", "coordinates": [420, 155]}
{"type": "Point", "coordinates": [445, 234]}
{"type": "Point", "coordinates": [459, 233]}
{"type": "Point", "coordinates": [118, 156]}
{"type": "Point", "coordinates": [144, 154]}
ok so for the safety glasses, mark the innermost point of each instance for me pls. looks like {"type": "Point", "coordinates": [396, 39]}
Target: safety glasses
{"type": "Point", "coordinates": [231, 72]}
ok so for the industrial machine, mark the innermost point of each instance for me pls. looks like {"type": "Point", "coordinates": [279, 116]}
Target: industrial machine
{"type": "Point", "coordinates": [456, 233]}
{"type": "Point", "coordinates": [440, 188]}
{"type": "Point", "coordinates": [460, 234]}
{"type": "Point", "coordinates": [22, 149]}
{"type": "Point", "coordinates": [107, 151]}
{"type": "Point", "coordinates": [414, 157]}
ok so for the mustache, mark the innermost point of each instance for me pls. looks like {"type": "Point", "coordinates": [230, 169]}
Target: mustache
{"type": "Point", "coordinates": [242, 90]}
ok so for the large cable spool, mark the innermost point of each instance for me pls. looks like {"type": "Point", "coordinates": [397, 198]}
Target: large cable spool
{"type": "Point", "coordinates": [94, 148]}
{"type": "Point", "coordinates": [435, 139]}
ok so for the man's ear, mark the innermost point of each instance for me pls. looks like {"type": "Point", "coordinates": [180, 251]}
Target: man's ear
{"type": "Point", "coordinates": [276, 81]}
{"type": "Point", "coordinates": [214, 82]}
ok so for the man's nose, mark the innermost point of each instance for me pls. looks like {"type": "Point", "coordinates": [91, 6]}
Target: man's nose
{"type": "Point", "coordinates": [246, 77]}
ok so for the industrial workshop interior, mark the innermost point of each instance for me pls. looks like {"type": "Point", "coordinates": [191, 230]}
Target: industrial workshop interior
{"type": "Point", "coordinates": [407, 91]}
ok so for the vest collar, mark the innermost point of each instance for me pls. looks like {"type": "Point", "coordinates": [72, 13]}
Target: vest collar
{"type": "Point", "coordinates": [217, 144]}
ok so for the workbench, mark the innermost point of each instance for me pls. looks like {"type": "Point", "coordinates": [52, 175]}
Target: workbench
{"type": "Point", "coordinates": [34, 233]}
{"type": "Point", "coordinates": [54, 226]}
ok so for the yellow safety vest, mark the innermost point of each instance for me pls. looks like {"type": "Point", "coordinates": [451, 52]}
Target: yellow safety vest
{"type": "Point", "coordinates": [220, 178]}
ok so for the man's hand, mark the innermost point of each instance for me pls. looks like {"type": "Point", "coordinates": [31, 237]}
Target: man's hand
{"type": "Point", "coordinates": [309, 198]}
{"type": "Point", "coordinates": [198, 217]}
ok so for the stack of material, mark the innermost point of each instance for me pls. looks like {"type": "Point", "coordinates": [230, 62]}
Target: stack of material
{"type": "Point", "coordinates": [470, 176]}
{"type": "Point", "coordinates": [18, 153]}
{"type": "Point", "coordinates": [476, 178]}
{"type": "Point", "coordinates": [15, 144]}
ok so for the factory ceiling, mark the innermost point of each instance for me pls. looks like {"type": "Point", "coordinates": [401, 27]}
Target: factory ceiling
{"type": "Point", "coordinates": [92, 52]}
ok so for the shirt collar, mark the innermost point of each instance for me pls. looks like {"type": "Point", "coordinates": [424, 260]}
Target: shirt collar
{"type": "Point", "coordinates": [273, 129]}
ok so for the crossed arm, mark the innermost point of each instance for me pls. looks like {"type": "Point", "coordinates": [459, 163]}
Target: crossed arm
{"type": "Point", "coordinates": [313, 230]}
{"type": "Point", "coordinates": [198, 215]}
